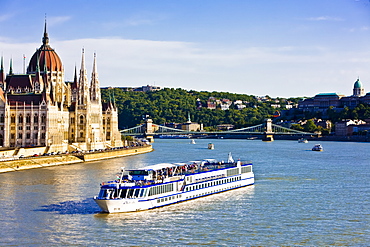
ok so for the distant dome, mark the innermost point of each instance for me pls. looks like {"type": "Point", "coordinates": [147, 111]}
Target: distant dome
{"type": "Point", "coordinates": [357, 84]}
{"type": "Point", "coordinates": [46, 56]}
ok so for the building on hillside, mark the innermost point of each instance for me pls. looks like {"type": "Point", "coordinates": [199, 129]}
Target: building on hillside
{"type": "Point", "coordinates": [190, 126]}
{"type": "Point", "coordinates": [225, 127]}
{"type": "Point", "coordinates": [146, 88]}
{"type": "Point", "coordinates": [211, 103]}
{"type": "Point", "coordinates": [326, 124]}
{"type": "Point", "coordinates": [341, 128]}
{"type": "Point", "coordinates": [40, 109]}
{"type": "Point", "coordinates": [322, 101]}
{"type": "Point", "coordinates": [199, 104]}
{"type": "Point", "coordinates": [359, 129]}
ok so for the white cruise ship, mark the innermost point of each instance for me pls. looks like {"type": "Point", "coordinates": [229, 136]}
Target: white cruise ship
{"type": "Point", "coordinates": [164, 184]}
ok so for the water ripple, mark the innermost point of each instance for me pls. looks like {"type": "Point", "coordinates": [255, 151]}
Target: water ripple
{"type": "Point", "coordinates": [86, 206]}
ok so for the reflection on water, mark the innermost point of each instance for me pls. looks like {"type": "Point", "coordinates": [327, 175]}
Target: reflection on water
{"type": "Point", "coordinates": [87, 206]}
{"type": "Point", "coordinates": [300, 198]}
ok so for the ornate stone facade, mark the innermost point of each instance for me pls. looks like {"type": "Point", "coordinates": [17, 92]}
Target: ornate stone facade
{"type": "Point", "coordinates": [40, 109]}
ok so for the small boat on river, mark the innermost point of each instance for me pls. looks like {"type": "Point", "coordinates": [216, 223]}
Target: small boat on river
{"type": "Point", "coordinates": [318, 147]}
{"type": "Point", "coordinates": [211, 146]}
{"type": "Point", "coordinates": [302, 140]}
{"type": "Point", "coordinates": [165, 184]}
{"type": "Point", "coordinates": [192, 141]}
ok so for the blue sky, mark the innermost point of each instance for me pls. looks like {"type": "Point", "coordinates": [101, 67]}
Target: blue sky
{"type": "Point", "coordinates": [281, 48]}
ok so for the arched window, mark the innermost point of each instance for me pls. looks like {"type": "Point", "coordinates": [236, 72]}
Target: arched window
{"type": "Point", "coordinates": [2, 118]}
{"type": "Point", "coordinates": [28, 118]}
{"type": "Point", "coordinates": [43, 118]}
{"type": "Point", "coordinates": [35, 118]}
{"type": "Point", "coordinates": [81, 119]}
{"type": "Point", "coordinates": [12, 118]}
{"type": "Point", "coordinates": [20, 118]}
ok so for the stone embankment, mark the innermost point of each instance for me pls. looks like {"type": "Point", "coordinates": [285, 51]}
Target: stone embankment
{"type": "Point", "coordinates": [55, 160]}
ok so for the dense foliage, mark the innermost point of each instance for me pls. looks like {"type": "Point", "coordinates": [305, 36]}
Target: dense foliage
{"type": "Point", "coordinates": [175, 105]}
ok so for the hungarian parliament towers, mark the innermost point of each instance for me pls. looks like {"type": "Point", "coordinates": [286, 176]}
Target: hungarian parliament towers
{"type": "Point", "coordinates": [40, 109]}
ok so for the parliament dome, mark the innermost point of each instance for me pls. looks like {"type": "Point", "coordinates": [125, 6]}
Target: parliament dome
{"type": "Point", "coordinates": [45, 56]}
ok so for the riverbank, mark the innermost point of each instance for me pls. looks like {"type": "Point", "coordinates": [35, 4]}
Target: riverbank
{"type": "Point", "coordinates": [55, 160]}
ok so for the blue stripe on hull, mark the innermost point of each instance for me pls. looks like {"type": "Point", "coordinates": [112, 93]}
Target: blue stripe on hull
{"type": "Point", "coordinates": [194, 197]}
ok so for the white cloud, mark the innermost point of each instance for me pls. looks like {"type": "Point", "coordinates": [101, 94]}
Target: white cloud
{"type": "Point", "coordinates": [5, 17]}
{"type": "Point", "coordinates": [324, 18]}
{"type": "Point", "coordinates": [276, 71]}
{"type": "Point", "coordinates": [55, 20]}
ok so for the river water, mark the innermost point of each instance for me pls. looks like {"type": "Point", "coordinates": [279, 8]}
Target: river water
{"type": "Point", "coordinates": [300, 198]}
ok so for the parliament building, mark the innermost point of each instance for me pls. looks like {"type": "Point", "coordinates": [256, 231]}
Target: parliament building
{"type": "Point", "coordinates": [39, 108]}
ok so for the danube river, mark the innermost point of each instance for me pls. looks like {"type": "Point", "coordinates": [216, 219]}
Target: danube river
{"type": "Point", "coordinates": [300, 197]}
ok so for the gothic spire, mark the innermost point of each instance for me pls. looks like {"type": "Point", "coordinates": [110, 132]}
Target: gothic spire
{"type": "Point", "coordinates": [94, 86]}
{"type": "Point", "coordinates": [2, 73]}
{"type": "Point", "coordinates": [75, 80]}
{"type": "Point", "coordinates": [45, 39]}
{"type": "Point", "coordinates": [2, 64]}
{"type": "Point", "coordinates": [38, 79]}
{"type": "Point", "coordinates": [83, 86]}
{"type": "Point", "coordinates": [11, 67]}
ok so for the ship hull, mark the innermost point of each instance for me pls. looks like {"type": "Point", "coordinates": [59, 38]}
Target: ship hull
{"type": "Point", "coordinates": [121, 205]}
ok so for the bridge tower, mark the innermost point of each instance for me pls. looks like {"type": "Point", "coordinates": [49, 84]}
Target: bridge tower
{"type": "Point", "coordinates": [148, 130]}
{"type": "Point", "coordinates": [268, 135]}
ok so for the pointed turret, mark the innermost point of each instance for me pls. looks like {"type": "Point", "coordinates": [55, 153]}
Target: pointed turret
{"type": "Point", "coordinates": [95, 85]}
{"type": "Point", "coordinates": [2, 74]}
{"type": "Point", "coordinates": [11, 67]}
{"type": "Point", "coordinates": [38, 82]}
{"type": "Point", "coordinates": [75, 81]}
{"type": "Point", "coordinates": [83, 87]}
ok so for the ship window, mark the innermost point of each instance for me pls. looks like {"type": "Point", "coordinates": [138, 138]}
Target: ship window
{"type": "Point", "coordinates": [130, 193]}
{"type": "Point", "coordinates": [137, 192]}
{"type": "Point", "coordinates": [138, 172]}
{"type": "Point", "coordinates": [102, 193]}
{"type": "Point", "coordinates": [115, 193]}
{"type": "Point", "coordinates": [123, 193]}
{"type": "Point", "coordinates": [145, 192]}
{"type": "Point", "coordinates": [142, 192]}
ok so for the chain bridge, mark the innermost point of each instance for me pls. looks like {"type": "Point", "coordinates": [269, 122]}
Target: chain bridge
{"type": "Point", "coordinates": [266, 129]}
